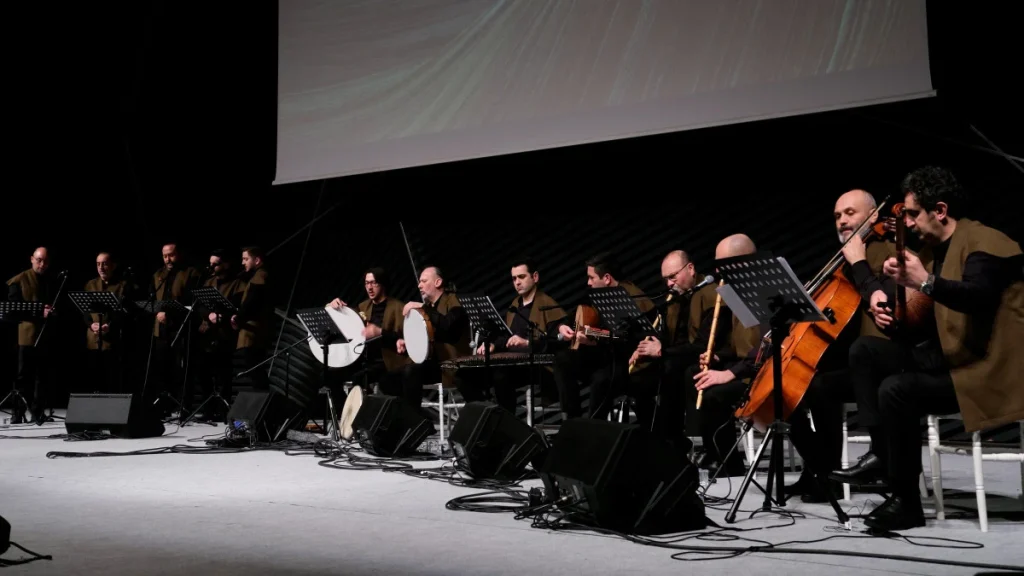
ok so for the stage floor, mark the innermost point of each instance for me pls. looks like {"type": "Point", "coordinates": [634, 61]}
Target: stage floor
{"type": "Point", "coordinates": [265, 512]}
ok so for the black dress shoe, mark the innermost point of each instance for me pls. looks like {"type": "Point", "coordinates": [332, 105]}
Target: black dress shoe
{"type": "Point", "coordinates": [868, 470]}
{"type": "Point", "coordinates": [896, 514]}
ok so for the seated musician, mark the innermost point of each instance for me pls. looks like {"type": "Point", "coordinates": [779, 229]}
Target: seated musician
{"type": "Point", "coordinates": [592, 364]}
{"type": "Point", "coordinates": [451, 338]}
{"type": "Point", "coordinates": [383, 317]}
{"type": "Point", "coordinates": [817, 423]}
{"type": "Point", "coordinates": [532, 311]}
{"type": "Point", "coordinates": [972, 365]}
{"type": "Point", "coordinates": [726, 380]}
{"type": "Point", "coordinates": [685, 316]}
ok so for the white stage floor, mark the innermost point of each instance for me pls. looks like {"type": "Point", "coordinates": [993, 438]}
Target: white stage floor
{"type": "Point", "coordinates": [266, 512]}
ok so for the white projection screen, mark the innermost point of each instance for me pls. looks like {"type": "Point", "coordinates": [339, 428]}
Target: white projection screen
{"type": "Point", "coordinates": [368, 85]}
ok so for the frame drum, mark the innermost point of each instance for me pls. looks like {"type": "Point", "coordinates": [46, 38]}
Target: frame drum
{"type": "Point", "coordinates": [419, 335]}
{"type": "Point", "coordinates": [339, 354]}
{"type": "Point", "coordinates": [349, 411]}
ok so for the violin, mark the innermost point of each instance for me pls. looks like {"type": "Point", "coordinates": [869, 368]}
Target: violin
{"type": "Point", "coordinates": [913, 308]}
{"type": "Point", "coordinates": [806, 343]}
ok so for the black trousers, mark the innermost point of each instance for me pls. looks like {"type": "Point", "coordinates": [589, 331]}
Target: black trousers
{"type": "Point", "coordinates": [103, 371]}
{"type": "Point", "coordinates": [909, 383]}
{"type": "Point", "coordinates": [166, 370]}
{"type": "Point", "coordinates": [506, 381]}
{"type": "Point", "coordinates": [717, 418]}
{"type": "Point", "coordinates": [409, 385]}
{"type": "Point", "coordinates": [34, 377]}
{"type": "Point", "coordinates": [822, 446]}
{"type": "Point", "coordinates": [587, 366]}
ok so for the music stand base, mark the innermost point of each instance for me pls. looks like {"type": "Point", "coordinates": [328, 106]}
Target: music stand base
{"type": "Point", "coordinates": [215, 396]}
{"type": "Point", "coordinates": [20, 407]}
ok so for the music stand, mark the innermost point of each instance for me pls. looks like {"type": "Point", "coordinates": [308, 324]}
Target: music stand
{"type": "Point", "coordinates": [102, 303]}
{"type": "Point", "coordinates": [214, 301]}
{"type": "Point", "coordinates": [619, 312]}
{"type": "Point", "coordinates": [325, 331]}
{"type": "Point", "coordinates": [763, 289]}
{"type": "Point", "coordinates": [18, 312]}
{"type": "Point", "coordinates": [484, 319]}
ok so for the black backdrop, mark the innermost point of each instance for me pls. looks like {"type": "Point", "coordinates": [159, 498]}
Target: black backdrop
{"type": "Point", "coordinates": [147, 122]}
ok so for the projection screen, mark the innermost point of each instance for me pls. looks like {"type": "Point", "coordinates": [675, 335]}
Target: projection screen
{"type": "Point", "coordinates": [368, 85]}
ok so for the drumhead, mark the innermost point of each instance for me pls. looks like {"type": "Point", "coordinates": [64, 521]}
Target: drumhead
{"type": "Point", "coordinates": [349, 411]}
{"type": "Point", "coordinates": [351, 325]}
{"type": "Point", "coordinates": [417, 341]}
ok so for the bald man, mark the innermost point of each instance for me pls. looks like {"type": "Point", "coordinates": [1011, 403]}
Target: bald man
{"type": "Point", "coordinates": [728, 375]}
{"type": "Point", "coordinates": [173, 282]}
{"type": "Point", "coordinates": [451, 338]}
{"type": "Point", "coordinates": [36, 284]}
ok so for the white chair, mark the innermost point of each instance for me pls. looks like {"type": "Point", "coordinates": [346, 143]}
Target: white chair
{"type": "Point", "coordinates": [936, 449]}
{"type": "Point", "coordinates": [445, 407]}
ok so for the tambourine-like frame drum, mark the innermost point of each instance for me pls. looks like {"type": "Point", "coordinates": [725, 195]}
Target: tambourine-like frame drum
{"type": "Point", "coordinates": [418, 333]}
{"type": "Point", "coordinates": [340, 355]}
{"type": "Point", "coordinates": [349, 411]}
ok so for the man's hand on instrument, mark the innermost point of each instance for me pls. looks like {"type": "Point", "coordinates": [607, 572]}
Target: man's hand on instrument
{"type": "Point", "coordinates": [47, 309]}
{"type": "Point", "coordinates": [635, 357]}
{"type": "Point", "coordinates": [584, 339]}
{"type": "Point", "coordinates": [879, 308]}
{"type": "Point", "coordinates": [410, 306]}
{"type": "Point", "coordinates": [371, 331]}
{"type": "Point", "coordinates": [650, 348]}
{"type": "Point", "coordinates": [516, 342]}
{"type": "Point", "coordinates": [704, 361]}
{"type": "Point", "coordinates": [95, 327]}
{"type": "Point", "coordinates": [480, 349]}
{"type": "Point", "coordinates": [337, 304]}
{"type": "Point", "coordinates": [713, 378]}
{"type": "Point", "coordinates": [161, 317]}
{"type": "Point", "coordinates": [854, 250]}
{"type": "Point", "coordinates": [106, 328]}
{"type": "Point", "coordinates": [565, 332]}
{"type": "Point", "coordinates": [234, 321]}
{"type": "Point", "coordinates": [400, 346]}
{"type": "Point", "coordinates": [212, 317]}
{"type": "Point", "coordinates": [913, 274]}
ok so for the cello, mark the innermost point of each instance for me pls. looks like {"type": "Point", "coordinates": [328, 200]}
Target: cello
{"type": "Point", "coordinates": [806, 343]}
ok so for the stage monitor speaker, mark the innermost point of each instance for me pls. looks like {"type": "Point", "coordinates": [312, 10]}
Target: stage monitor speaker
{"type": "Point", "coordinates": [490, 442]}
{"type": "Point", "coordinates": [114, 414]}
{"type": "Point", "coordinates": [270, 414]}
{"type": "Point", "coordinates": [622, 478]}
{"type": "Point", "coordinates": [5, 535]}
{"type": "Point", "coordinates": [387, 426]}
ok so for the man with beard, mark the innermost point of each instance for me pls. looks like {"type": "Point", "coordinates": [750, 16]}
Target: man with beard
{"type": "Point", "coordinates": [173, 282]}
{"type": "Point", "coordinates": [105, 342]}
{"type": "Point", "coordinates": [217, 337]}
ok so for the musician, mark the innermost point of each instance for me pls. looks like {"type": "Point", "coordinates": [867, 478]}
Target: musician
{"type": "Point", "coordinates": [532, 311]}
{"type": "Point", "coordinates": [725, 381]}
{"type": "Point", "coordinates": [821, 445]}
{"type": "Point", "coordinates": [384, 321]}
{"type": "Point", "coordinates": [36, 284]}
{"type": "Point", "coordinates": [972, 273]}
{"type": "Point", "coordinates": [106, 370]}
{"type": "Point", "coordinates": [173, 282]}
{"type": "Point", "coordinates": [255, 314]}
{"type": "Point", "coordinates": [451, 338]}
{"type": "Point", "coordinates": [591, 364]}
{"type": "Point", "coordinates": [686, 332]}
{"type": "Point", "coordinates": [219, 340]}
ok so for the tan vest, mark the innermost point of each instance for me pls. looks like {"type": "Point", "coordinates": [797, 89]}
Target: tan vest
{"type": "Point", "coordinates": [253, 332]}
{"type": "Point", "coordinates": [111, 337]}
{"type": "Point", "coordinates": [393, 322]}
{"type": "Point", "coordinates": [986, 365]}
{"type": "Point", "coordinates": [28, 330]}
{"type": "Point", "coordinates": [184, 280]}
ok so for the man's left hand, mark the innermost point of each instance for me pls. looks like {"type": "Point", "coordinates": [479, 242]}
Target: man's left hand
{"type": "Point", "coordinates": [713, 378]}
{"type": "Point", "coordinates": [913, 274]}
{"type": "Point", "coordinates": [410, 306]}
{"type": "Point", "coordinates": [650, 348]}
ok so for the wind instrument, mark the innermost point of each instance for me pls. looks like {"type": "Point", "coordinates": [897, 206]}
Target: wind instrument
{"type": "Point", "coordinates": [711, 340]}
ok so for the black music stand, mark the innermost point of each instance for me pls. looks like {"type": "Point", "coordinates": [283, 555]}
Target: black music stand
{"type": "Point", "coordinates": [484, 319]}
{"type": "Point", "coordinates": [18, 312]}
{"type": "Point", "coordinates": [104, 304]}
{"type": "Point", "coordinates": [325, 331]}
{"type": "Point", "coordinates": [214, 301]}
{"type": "Point", "coordinates": [619, 313]}
{"type": "Point", "coordinates": [763, 289]}
{"type": "Point", "coordinates": [152, 307]}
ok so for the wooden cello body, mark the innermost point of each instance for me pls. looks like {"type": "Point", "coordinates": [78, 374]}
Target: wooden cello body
{"type": "Point", "coordinates": [806, 343]}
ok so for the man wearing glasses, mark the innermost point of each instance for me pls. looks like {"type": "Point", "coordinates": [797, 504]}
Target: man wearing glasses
{"type": "Point", "coordinates": [33, 285]}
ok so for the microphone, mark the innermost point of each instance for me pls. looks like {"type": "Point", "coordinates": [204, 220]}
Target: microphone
{"type": "Point", "coordinates": [709, 279]}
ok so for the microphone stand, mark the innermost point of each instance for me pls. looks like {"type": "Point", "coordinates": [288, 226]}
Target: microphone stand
{"type": "Point", "coordinates": [188, 347]}
{"type": "Point", "coordinates": [534, 372]}
{"type": "Point", "coordinates": [39, 338]}
{"type": "Point", "coordinates": [152, 331]}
